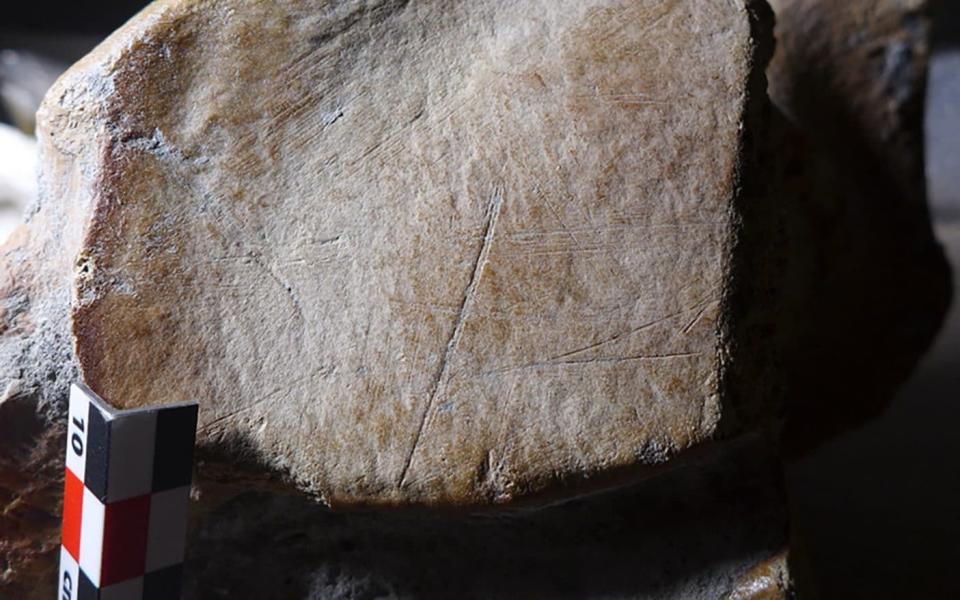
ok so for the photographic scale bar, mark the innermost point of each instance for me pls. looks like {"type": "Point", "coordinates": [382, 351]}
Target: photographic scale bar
{"type": "Point", "coordinates": [126, 495]}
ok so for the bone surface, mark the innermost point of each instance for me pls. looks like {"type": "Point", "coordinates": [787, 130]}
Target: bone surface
{"type": "Point", "coordinates": [433, 253]}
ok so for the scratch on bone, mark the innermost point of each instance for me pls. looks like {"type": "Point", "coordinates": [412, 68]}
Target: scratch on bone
{"type": "Point", "coordinates": [286, 287]}
{"type": "Point", "coordinates": [469, 296]}
{"type": "Point", "coordinates": [620, 335]}
{"type": "Point", "coordinates": [216, 422]}
{"type": "Point", "coordinates": [703, 306]}
{"type": "Point", "coordinates": [593, 361]}
{"type": "Point", "coordinates": [696, 318]}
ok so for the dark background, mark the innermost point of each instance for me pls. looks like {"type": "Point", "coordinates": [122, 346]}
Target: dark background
{"type": "Point", "coordinates": [876, 511]}
{"type": "Point", "coordinates": [96, 17]}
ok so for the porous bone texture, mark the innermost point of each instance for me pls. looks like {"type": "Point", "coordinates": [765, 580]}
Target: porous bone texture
{"type": "Point", "coordinates": [435, 252]}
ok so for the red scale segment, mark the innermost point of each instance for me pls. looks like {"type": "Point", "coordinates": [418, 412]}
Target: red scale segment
{"type": "Point", "coordinates": [72, 513]}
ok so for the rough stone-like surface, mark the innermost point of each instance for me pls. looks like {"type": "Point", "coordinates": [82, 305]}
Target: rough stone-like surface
{"type": "Point", "coordinates": [31, 473]}
{"type": "Point", "coordinates": [870, 284]}
{"type": "Point", "coordinates": [433, 253]}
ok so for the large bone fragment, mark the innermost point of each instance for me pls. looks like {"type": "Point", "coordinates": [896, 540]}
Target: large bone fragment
{"type": "Point", "coordinates": [444, 253]}
{"type": "Point", "coordinates": [432, 253]}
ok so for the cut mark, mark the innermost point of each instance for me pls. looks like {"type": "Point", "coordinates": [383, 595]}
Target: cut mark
{"type": "Point", "coordinates": [469, 296]}
{"type": "Point", "coordinates": [593, 361]}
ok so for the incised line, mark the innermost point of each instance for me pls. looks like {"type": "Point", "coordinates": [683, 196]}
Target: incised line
{"type": "Point", "coordinates": [469, 296]}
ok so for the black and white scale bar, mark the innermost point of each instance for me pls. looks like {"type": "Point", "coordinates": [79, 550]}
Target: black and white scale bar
{"type": "Point", "coordinates": [126, 493]}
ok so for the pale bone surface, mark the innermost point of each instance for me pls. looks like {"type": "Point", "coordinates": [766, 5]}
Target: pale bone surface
{"type": "Point", "coordinates": [438, 252]}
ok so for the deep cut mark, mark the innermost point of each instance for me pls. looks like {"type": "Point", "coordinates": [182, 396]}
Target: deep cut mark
{"type": "Point", "coordinates": [696, 319]}
{"type": "Point", "coordinates": [469, 295]}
